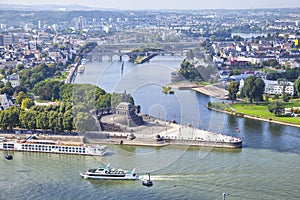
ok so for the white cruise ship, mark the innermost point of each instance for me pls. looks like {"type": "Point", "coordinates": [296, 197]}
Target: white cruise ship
{"type": "Point", "coordinates": [32, 144]}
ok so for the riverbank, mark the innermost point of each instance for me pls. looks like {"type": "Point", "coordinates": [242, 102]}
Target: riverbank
{"type": "Point", "coordinates": [218, 91]}
{"type": "Point", "coordinates": [255, 118]}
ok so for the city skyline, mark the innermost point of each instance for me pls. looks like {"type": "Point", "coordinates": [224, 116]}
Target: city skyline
{"type": "Point", "coordinates": [164, 4]}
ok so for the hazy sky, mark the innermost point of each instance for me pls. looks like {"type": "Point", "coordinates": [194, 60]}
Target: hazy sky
{"type": "Point", "coordinates": [163, 4]}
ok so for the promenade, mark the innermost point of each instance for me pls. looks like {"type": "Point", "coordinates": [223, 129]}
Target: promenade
{"type": "Point", "coordinates": [155, 132]}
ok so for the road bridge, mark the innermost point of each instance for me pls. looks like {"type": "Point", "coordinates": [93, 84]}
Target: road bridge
{"type": "Point", "coordinates": [125, 49]}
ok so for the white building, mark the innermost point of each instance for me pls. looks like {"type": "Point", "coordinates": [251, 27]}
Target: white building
{"type": "Point", "coordinates": [272, 87]}
{"type": "Point", "coordinates": [4, 102]}
{"type": "Point", "coordinates": [14, 79]}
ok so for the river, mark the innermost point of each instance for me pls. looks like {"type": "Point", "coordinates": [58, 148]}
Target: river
{"type": "Point", "coordinates": [267, 167]}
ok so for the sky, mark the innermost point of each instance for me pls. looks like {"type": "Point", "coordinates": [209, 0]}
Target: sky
{"type": "Point", "coordinates": [165, 4]}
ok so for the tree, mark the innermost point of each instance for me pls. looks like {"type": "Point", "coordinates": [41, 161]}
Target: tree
{"type": "Point", "coordinates": [4, 120]}
{"type": "Point", "coordinates": [233, 89]}
{"type": "Point", "coordinates": [28, 119]}
{"type": "Point", "coordinates": [8, 89]}
{"type": "Point", "coordinates": [84, 122]}
{"type": "Point", "coordinates": [18, 89]}
{"type": "Point", "coordinates": [189, 72]}
{"type": "Point", "coordinates": [104, 101]}
{"type": "Point", "coordinates": [27, 103]}
{"type": "Point", "coordinates": [48, 89]}
{"type": "Point", "coordinates": [19, 98]}
{"type": "Point", "coordinates": [54, 121]}
{"type": "Point", "coordinates": [66, 92]}
{"type": "Point", "coordinates": [248, 88]}
{"type": "Point", "coordinates": [68, 121]}
{"type": "Point", "coordinates": [297, 85]}
{"type": "Point", "coordinates": [42, 121]}
{"type": "Point", "coordinates": [253, 88]}
{"type": "Point", "coordinates": [275, 107]}
{"type": "Point", "coordinates": [259, 89]}
{"type": "Point", "coordinates": [13, 114]}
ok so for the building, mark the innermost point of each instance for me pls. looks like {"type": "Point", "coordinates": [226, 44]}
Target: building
{"type": "Point", "coordinates": [5, 102]}
{"type": "Point", "coordinates": [272, 87]}
{"type": "Point", "coordinates": [7, 39]}
{"type": "Point", "coordinates": [14, 79]}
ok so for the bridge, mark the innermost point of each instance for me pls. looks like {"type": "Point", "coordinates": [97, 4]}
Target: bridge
{"type": "Point", "coordinates": [124, 49]}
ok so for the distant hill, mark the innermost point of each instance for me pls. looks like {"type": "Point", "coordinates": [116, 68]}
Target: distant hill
{"type": "Point", "coordinates": [72, 7]}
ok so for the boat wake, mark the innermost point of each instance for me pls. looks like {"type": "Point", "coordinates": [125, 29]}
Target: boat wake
{"type": "Point", "coordinates": [163, 177]}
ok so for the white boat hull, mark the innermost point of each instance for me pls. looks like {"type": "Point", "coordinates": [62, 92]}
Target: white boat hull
{"type": "Point", "coordinates": [102, 177]}
{"type": "Point", "coordinates": [95, 150]}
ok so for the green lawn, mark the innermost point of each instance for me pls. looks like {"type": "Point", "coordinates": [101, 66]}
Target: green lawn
{"type": "Point", "coordinates": [262, 111]}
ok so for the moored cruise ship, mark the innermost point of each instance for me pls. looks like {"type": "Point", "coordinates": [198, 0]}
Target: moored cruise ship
{"type": "Point", "coordinates": [32, 144]}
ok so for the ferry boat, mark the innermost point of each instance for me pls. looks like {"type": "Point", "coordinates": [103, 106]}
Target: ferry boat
{"type": "Point", "coordinates": [32, 144]}
{"type": "Point", "coordinates": [108, 173]}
